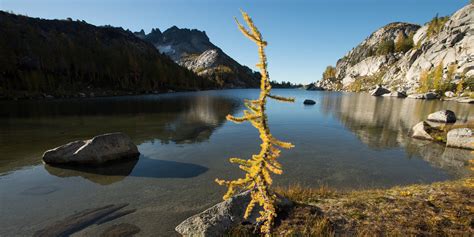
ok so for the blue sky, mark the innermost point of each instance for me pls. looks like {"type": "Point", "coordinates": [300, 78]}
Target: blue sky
{"type": "Point", "coordinates": [304, 36]}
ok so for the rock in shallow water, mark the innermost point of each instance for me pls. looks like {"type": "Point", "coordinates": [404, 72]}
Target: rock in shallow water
{"type": "Point", "coordinates": [426, 96]}
{"type": "Point", "coordinates": [309, 102]}
{"type": "Point", "coordinates": [98, 150]}
{"type": "Point", "coordinates": [379, 91]}
{"type": "Point", "coordinates": [421, 131]}
{"type": "Point", "coordinates": [461, 138]}
{"type": "Point", "coordinates": [219, 219]}
{"type": "Point", "coordinates": [442, 116]}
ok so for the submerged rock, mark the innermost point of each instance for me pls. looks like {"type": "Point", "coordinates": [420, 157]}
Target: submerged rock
{"type": "Point", "coordinates": [465, 100]}
{"type": "Point", "coordinates": [78, 221]}
{"type": "Point", "coordinates": [98, 150]}
{"type": "Point", "coordinates": [309, 102]}
{"type": "Point", "coordinates": [461, 138]}
{"type": "Point", "coordinates": [442, 116]}
{"type": "Point", "coordinates": [379, 91]}
{"type": "Point", "coordinates": [421, 131]}
{"type": "Point", "coordinates": [121, 230]}
{"type": "Point", "coordinates": [219, 219]}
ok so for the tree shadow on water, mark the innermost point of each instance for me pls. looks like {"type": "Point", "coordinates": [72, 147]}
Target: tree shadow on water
{"type": "Point", "coordinates": [116, 171]}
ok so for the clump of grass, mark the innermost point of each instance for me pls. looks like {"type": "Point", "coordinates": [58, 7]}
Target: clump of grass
{"type": "Point", "coordinates": [439, 209]}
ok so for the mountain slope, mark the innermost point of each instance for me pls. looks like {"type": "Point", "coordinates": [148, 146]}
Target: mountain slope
{"type": "Point", "coordinates": [445, 42]}
{"type": "Point", "coordinates": [193, 50]}
{"type": "Point", "coordinates": [65, 58]}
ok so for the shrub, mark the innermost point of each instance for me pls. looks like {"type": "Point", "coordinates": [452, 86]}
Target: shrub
{"type": "Point", "coordinates": [424, 82]}
{"type": "Point", "coordinates": [403, 43]}
{"type": "Point", "coordinates": [329, 73]}
{"type": "Point", "coordinates": [435, 25]}
{"type": "Point", "coordinates": [385, 47]}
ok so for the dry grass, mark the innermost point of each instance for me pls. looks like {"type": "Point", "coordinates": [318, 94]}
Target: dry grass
{"type": "Point", "coordinates": [438, 209]}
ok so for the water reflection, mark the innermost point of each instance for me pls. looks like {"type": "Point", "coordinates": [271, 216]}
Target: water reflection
{"type": "Point", "coordinates": [383, 123]}
{"type": "Point", "coordinates": [117, 171]}
{"type": "Point", "coordinates": [28, 128]}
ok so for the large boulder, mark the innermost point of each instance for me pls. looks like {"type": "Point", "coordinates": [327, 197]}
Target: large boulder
{"type": "Point", "coordinates": [98, 150]}
{"type": "Point", "coordinates": [309, 102]}
{"type": "Point", "coordinates": [421, 131]}
{"type": "Point", "coordinates": [379, 91]}
{"type": "Point", "coordinates": [461, 138]}
{"type": "Point", "coordinates": [222, 217]}
{"type": "Point", "coordinates": [442, 116]}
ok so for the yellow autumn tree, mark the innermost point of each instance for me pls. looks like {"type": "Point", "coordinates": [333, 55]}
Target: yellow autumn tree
{"type": "Point", "coordinates": [260, 166]}
{"type": "Point", "coordinates": [438, 77]}
{"type": "Point", "coordinates": [424, 82]}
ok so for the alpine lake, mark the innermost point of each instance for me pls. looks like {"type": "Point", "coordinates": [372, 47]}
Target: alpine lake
{"type": "Point", "coordinates": [345, 141]}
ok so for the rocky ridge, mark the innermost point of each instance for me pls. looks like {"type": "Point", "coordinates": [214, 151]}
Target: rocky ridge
{"type": "Point", "coordinates": [453, 44]}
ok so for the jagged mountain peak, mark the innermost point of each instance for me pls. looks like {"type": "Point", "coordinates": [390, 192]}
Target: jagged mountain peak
{"type": "Point", "coordinates": [193, 49]}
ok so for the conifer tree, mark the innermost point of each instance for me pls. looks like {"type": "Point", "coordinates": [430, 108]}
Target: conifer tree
{"type": "Point", "coordinates": [258, 168]}
{"type": "Point", "coordinates": [399, 43]}
{"type": "Point", "coordinates": [438, 77]}
{"type": "Point", "coordinates": [424, 84]}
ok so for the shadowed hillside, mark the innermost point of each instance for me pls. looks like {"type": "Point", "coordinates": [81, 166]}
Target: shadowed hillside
{"type": "Point", "coordinates": [71, 58]}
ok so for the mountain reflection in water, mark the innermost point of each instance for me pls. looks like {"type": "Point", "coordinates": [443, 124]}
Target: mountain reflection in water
{"type": "Point", "coordinates": [117, 171]}
{"type": "Point", "coordinates": [384, 122]}
{"type": "Point", "coordinates": [28, 128]}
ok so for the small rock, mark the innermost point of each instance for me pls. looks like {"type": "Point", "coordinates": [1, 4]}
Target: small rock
{"type": "Point", "coordinates": [421, 131]}
{"type": "Point", "coordinates": [449, 94]}
{"type": "Point", "coordinates": [98, 150]}
{"type": "Point", "coordinates": [442, 116]}
{"type": "Point", "coordinates": [427, 96]}
{"type": "Point", "coordinates": [398, 94]}
{"type": "Point", "coordinates": [309, 102]}
{"type": "Point", "coordinates": [461, 138]}
{"type": "Point", "coordinates": [82, 94]}
{"type": "Point", "coordinates": [220, 218]}
{"type": "Point", "coordinates": [379, 91]}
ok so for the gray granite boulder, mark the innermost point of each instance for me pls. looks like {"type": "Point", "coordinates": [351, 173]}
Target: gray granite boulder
{"type": "Point", "coordinates": [222, 217]}
{"type": "Point", "coordinates": [98, 150]}
{"type": "Point", "coordinates": [421, 131]}
{"type": "Point", "coordinates": [461, 138]}
{"type": "Point", "coordinates": [379, 91]}
{"type": "Point", "coordinates": [442, 116]}
{"type": "Point", "coordinates": [449, 94]}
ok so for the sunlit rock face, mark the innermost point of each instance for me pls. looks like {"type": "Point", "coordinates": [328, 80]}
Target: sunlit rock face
{"type": "Point", "coordinates": [193, 50]}
{"type": "Point", "coordinates": [453, 44]}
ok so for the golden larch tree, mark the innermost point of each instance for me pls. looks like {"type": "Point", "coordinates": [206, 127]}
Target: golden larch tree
{"type": "Point", "coordinates": [260, 166]}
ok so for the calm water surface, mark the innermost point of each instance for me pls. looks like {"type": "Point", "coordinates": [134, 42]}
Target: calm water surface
{"type": "Point", "coordinates": [345, 141]}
